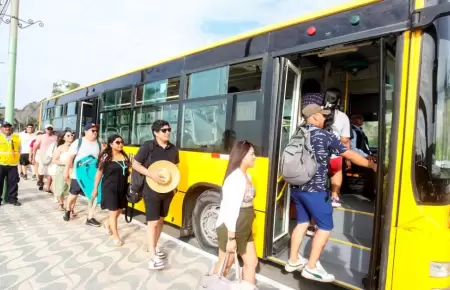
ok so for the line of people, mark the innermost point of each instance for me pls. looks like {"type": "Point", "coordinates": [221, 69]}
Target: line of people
{"type": "Point", "coordinates": [113, 171]}
{"type": "Point", "coordinates": [57, 155]}
{"type": "Point", "coordinates": [234, 224]}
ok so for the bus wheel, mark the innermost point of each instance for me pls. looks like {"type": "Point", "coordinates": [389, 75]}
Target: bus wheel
{"type": "Point", "coordinates": [204, 219]}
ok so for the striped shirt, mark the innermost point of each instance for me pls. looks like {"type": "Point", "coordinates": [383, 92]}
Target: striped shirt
{"type": "Point", "coordinates": [323, 144]}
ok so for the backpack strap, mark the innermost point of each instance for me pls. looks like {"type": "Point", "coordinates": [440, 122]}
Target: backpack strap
{"type": "Point", "coordinates": [81, 141]}
{"type": "Point", "coordinates": [129, 213]}
{"type": "Point", "coordinates": [79, 144]}
{"type": "Point", "coordinates": [151, 147]}
{"type": "Point", "coordinates": [312, 128]}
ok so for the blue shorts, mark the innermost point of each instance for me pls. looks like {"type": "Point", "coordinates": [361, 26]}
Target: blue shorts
{"type": "Point", "coordinates": [316, 205]}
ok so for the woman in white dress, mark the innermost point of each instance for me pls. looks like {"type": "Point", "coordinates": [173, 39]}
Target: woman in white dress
{"type": "Point", "coordinates": [60, 155]}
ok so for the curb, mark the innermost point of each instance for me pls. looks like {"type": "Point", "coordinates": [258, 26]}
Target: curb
{"type": "Point", "coordinates": [259, 277]}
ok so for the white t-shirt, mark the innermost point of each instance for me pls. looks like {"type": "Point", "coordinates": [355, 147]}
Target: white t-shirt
{"type": "Point", "coordinates": [25, 141]}
{"type": "Point", "coordinates": [87, 148]}
{"type": "Point", "coordinates": [233, 191]}
{"type": "Point", "coordinates": [341, 126]}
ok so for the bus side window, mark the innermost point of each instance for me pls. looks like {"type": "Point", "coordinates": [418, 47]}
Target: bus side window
{"type": "Point", "coordinates": [432, 140]}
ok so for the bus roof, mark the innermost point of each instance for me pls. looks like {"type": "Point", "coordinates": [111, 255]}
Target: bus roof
{"type": "Point", "coordinates": [290, 22]}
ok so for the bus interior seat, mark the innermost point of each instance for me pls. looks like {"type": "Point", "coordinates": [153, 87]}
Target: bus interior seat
{"type": "Point", "coordinates": [124, 132]}
{"type": "Point", "coordinates": [111, 131]}
{"type": "Point", "coordinates": [203, 131]}
{"type": "Point", "coordinates": [220, 119]}
{"type": "Point", "coordinates": [143, 132]}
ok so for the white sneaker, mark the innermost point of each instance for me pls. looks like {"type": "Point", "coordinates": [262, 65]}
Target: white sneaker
{"type": "Point", "coordinates": [311, 231]}
{"type": "Point", "coordinates": [317, 274]}
{"type": "Point", "coordinates": [301, 262]}
{"type": "Point", "coordinates": [159, 253]}
{"type": "Point", "coordinates": [155, 264]}
{"type": "Point", "coordinates": [336, 202]}
{"type": "Point", "coordinates": [319, 265]}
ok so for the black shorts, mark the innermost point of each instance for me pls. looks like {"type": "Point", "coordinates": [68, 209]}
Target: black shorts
{"type": "Point", "coordinates": [24, 159]}
{"type": "Point", "coordinates": [156, 204]}
{"type": "Point", "coordinates": [75, 188]}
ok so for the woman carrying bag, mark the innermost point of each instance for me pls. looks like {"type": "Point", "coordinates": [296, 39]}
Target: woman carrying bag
{"type": "Point", "coordinates": [234, 224]}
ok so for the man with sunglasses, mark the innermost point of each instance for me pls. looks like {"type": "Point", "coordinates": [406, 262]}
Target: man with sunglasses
{"type": "Point", "coordinates": [43, 142]}
{"type": "Point", "coordinates": [156, 204]}
{"type": "Point", "coordinates": [9, 159]}
{"type": "Point", "coordinates": [90, 145]}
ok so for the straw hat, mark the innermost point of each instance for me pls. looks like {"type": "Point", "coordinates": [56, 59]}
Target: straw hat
{"type": "Point", "coordinates": [169, 172]}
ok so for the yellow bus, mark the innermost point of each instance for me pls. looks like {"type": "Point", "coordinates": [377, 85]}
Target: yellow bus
{"type": "Point", "coordinates": [390, 59]}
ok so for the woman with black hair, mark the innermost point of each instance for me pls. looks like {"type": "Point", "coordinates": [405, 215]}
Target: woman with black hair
{"type": "Point", "coordinates": [337, 123]}
{"type": "Point", "coordinates": [235, 221]}
{"type": "Point", "coordinates": [59, 160]}
{"type": "Point", "coordinates": [113, 170]}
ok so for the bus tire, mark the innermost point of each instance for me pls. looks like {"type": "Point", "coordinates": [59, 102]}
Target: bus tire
{"type": "Point", "coordinates": [204, 219]}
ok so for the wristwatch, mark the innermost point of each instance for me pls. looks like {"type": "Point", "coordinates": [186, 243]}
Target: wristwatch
{"type": "Point", "coordinates": [230, 239]}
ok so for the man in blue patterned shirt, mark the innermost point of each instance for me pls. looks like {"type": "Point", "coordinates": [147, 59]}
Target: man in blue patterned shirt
{"type": "Point", "coordinates": [312, 200]}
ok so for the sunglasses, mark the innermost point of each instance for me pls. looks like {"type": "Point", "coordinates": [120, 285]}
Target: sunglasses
{"type": "Point", "coordinates": [165, 130]}
{"type": "Point", "coordinates": [118, 142]}
{"type": "Point", "coordinates": [50, 129]}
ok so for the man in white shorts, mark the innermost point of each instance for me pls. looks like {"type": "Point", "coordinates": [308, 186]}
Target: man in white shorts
{"type": "Point", "coordinates": [339, 125]}
{"type": "Point", "coordinates": [25, 140]}
{"type": "Point", "coordinates": [43, 142]}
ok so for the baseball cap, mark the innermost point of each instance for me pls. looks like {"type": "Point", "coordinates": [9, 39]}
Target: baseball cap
{"type": "Point", "coordinates": [89, 126]}
{"type": "Point", "coordinates": [5, 124]}
{"type": "Point", "coordinates": [48, 126]}
{"type": "Point", "coordinates": [312, 109]}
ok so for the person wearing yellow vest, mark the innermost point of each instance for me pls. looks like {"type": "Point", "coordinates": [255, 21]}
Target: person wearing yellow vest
{"type": "Point", "coordinates": [9, 159]}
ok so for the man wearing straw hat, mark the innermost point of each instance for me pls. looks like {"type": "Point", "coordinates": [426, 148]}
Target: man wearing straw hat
{"type": "Point", "coordinates": [156, 160]}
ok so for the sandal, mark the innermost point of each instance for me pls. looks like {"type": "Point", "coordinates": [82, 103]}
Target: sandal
{"type": "Point", "coordinates": [61, 204]}
{"type": "Point", "coordinates": [117, 243]}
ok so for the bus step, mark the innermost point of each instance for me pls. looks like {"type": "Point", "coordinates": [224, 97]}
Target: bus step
{"type": "Point", "coordinates": [343, 250]}
{"type": "Point", "coordinates": [354, 218]}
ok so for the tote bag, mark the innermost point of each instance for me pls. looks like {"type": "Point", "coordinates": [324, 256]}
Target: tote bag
{"type": "Point", "coordinates": [219, 282]}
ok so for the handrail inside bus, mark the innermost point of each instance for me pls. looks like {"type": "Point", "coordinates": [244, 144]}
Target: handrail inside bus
{"type": "Point", "coordinates": [280, 194]}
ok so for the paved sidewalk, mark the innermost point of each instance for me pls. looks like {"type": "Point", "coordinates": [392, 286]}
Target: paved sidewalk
{"type": "Point", "coordinates": [38, 250]}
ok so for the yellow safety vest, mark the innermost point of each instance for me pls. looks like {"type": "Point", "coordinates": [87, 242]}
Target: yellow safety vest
{"type": "Point", "coordinates": [9, 151]}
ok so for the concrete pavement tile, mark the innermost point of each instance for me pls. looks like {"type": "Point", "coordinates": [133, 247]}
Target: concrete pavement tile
{"type": "Point", "coordinates": [42, 251]}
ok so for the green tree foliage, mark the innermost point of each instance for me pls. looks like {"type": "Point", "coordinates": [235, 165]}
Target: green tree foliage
{"type": "Point", "coordinates": [73, 86]}
{"type": "Point", "coordinates": [57, 90]}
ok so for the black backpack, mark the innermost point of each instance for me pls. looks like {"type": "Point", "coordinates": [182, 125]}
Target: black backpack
{"type": "Point", "coordinates": [134, 193]}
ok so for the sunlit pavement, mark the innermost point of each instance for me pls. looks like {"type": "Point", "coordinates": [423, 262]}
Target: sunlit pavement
{"type": "Point", "coordinates": [39, 250]}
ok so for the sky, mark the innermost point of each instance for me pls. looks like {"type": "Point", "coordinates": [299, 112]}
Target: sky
{"type": "Point", "coordinates": [85, 41]}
